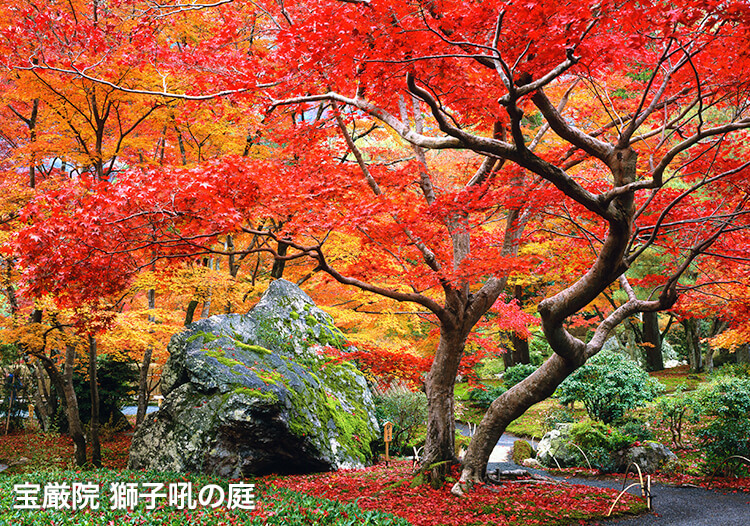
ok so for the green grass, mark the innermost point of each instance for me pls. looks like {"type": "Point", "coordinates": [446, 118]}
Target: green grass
{"type": "Point", "coordinates": [680, 376]}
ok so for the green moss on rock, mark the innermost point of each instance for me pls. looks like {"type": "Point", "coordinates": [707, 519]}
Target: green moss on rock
{"type": "Point", "coordinates": [222, 359]}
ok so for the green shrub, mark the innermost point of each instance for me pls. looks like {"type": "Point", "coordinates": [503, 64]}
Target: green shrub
{"type": "Point", "coordinates": [636, 429]}
{"type": "Point", "coordinates": [484, 395]}
{"type": "Point", "coordinates": [672, 411]}
{"type": "Point", "coordinates": [407, 410]}
{"type": "Point", "coordinates": [600, 442]}
{"type": "Point", "coordinates": [737, 370]}
{"type": "Point", "coordinates": [591, 434]}
{"type": "Point", "coordinates": [517, 373]}
{"type": "Point", "coordinates": [727, 401]}
{"type": "Point", "coordinates": [609, 384]}
{"type": "Point", "coordinates": [521, 451]}
{"type": "Point", "coordinates": [490, 367]}
{"type": "Point", "coordinates": [558, 415]}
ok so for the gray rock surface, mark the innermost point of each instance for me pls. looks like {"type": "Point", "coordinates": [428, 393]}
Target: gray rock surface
{"type": "Point", "coordinates": [555, 448]}
{"type": "Point", "coordinates": [255, 394]}
{"type": "Point", "coordinates": [650, 456]}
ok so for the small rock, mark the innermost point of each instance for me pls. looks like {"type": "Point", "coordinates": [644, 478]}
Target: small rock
{"type": "Point", "coordinates": [532, 463]}
{"type": "Point", "coordinates": [650, 457]}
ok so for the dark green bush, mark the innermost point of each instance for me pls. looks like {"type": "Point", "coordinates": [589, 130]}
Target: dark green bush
{"type": "Point", "coordinates": [674, 410]}
{"type": "Point", "coordinates": [727, 402]}
{"type": "Point", "coordinates": [738, 370]}
{"type": "Point", "coordinates": [521, 451]}
{"type": "Point", "coordinates": [116, 380]}
{"type": "Point", "coordinates": [636, 429]}
{"type": "Point", "coordinates": [515, 374]}
{"type": "Point", "coordinates": [600, 442]}
{"type": "Point", "coordinates": [484, 395]}
{"type": "Point", "coordinates": [609, 384]}
{"type": "Point", "coordinates": [558, 415]}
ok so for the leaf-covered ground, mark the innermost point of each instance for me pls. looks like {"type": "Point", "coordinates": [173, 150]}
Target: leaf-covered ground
{"type": "Point", "coordinates": [388, 489]}
{"type": "Point", "coordinates": [379, 495]}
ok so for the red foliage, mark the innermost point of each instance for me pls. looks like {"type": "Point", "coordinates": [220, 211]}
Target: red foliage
{"type": "Point", "coordinates": [387, 489]}
{"type": "Point", "coordinates": [386, 366]}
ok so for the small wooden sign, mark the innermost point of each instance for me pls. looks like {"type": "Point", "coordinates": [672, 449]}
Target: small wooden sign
{"type": "Point", "coordinates": [387, 438]}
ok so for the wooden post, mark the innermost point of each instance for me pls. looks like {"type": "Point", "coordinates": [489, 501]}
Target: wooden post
{"type": "Point", "coordinates": [387, 437]}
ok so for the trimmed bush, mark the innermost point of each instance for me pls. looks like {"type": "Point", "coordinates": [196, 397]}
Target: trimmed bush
{"type": "Point", "coordinates": [484, 395]}
{"type": "Point", "coordinates": [609, 384]}
{"type": "Point", "coordinates": [521, 451]}
{"type": "Point", "coordinates": [727, 401]}
{"type": "Point", "coordinates": [515, 374]}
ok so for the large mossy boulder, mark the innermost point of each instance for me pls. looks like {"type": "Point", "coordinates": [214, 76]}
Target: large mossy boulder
{"type": "Point", "coordinates": [255, 394]}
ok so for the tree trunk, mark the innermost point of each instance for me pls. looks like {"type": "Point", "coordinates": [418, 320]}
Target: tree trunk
{"type": "Point", "coordinates": [71, 401]}
{"type": "Point", "coordinates": [692, 342]}
{"type": "Point", "coordinates": [143, 393]}
{"type": "Point", "coordinates": [709, 361]}
{"type": "Point", "coordinates": [519, 352]}
{"type": "Point", "coordinates": [439, 451]}
{"type": "Point", "coordinates": [96, 450]}
{"type": "Point", "coordinates": [570, 352]}
{"type": "Point", "coordinates": [190, 312]}
{"type": "Point", "coordinates": [278, 265]}
{"type": "Point", "coordinates": [652, 342]}
{"type": "Point", "coordinates": [509, 406]}
{"type": "Point", "coordinates": [43, 410]}
{"type": "Point", "coordinates": [743, 353]}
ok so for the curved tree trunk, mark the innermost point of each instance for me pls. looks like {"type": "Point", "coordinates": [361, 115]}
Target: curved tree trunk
{"type": "Point", "coordinates": [570, 352]}
{"type": "Point", "coordinates": [509, 406]}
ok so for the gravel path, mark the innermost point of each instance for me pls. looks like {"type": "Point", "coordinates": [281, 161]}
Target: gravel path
{"type": "Point", "coordinates": [673, 506]}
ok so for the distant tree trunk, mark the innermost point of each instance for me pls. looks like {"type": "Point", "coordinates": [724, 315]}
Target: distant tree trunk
{"type": "Point", "coordinates": [279, 264]}
{"type": "Point", "coordinates": [96, 450]}
{"type": "Point", "coordinates": [41, 400]}
{"type": "Point", "coordinates": [190, 312]}
{"type": "Point", "coordinates": [652, 342]}
{"type": "Point", "coordinates": [143, 393]}
{"type": "Point", "coordinates": [520, 346]}
{"type": "Point", "coordinates": [71, 402]}
{"type": "Point", "coordinates": [206, 310]}
{"type": "Point", "coordinates": [693, 344]}
{"type": "Point", "coordinates": [717, 327]}
{"type": "Point", "coordinates": [709, 361]}
{"type": "Point", "coordinates": [742, 353]}
{"type": "Point", "coordinates": [234, 268]}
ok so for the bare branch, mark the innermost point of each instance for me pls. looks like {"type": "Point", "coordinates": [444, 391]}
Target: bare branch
{"type": "Point", "coordinates": [80, 73]}
{"type": "Point", "coordinates": [403, 129]}
{"type": "Point", "coordinates": [585, 142]}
